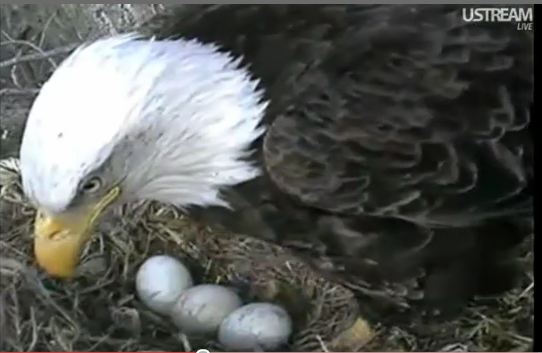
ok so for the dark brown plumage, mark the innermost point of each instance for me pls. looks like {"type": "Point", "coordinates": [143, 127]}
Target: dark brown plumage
{"type": "Point", "coordinates": [398, 147]}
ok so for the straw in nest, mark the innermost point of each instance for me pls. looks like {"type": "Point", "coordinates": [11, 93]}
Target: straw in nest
{"type": "Point", "coordinates": [325, 314]}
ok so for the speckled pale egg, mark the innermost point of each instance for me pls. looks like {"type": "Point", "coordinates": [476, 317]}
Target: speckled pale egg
{"type": "Point", "coordinates": [201, 309]}
{"type": "Point", "coordinates": [160, 281]}
{"type": "Point", "coordinates": [255, 327]}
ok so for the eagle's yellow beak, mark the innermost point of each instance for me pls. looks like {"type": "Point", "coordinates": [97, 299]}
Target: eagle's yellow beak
{"type": "Point", "coordinates": [60, 239]}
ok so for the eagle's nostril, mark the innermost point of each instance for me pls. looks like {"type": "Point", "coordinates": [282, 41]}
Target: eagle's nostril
{"type": "Point", "coordinates": [56, 235]}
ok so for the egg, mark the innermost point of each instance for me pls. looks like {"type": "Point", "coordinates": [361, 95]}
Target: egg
{"type": "Point", "coordinates": [201, 309]}
{"type": "Point", "coordinates": [254, 327]}
{"type": "Point", "coordinates": [160, 281]}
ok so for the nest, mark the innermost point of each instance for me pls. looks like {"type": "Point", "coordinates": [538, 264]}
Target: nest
{"type": "Point", "coordinates": [99, 311]}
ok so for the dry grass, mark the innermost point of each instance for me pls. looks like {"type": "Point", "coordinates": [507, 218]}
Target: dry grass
{"type": "Point", "coordinates": [98, 311]}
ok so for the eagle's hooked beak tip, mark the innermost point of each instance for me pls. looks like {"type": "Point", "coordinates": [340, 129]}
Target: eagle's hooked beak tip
{"type": "Point", "coordinates": [60, 239]}
{"type": "Point", "coordinates": [58, 243]}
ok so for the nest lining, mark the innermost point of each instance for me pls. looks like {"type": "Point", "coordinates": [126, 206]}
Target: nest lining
{"type": "Point", "coordinates": [99, 311]}
{"type": "Point", "coordinates": [325, 314]}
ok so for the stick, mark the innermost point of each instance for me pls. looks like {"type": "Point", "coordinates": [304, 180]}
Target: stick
{"type": "Point", "coordinates": [18, 91]}
{"type": "Point", "coordinates": [38, 56]}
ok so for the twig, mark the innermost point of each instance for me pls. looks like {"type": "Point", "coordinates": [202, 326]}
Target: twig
{"type": "Point", "coordinates": [14, 69]}
{"type": "Point", "coordinates": [38, 56]}
{"type": "Point", "coordinates": [186, 343]}
{"type": "Point", "coordinates": [13, 73]}
{"type": "Point", "coordinates": [26, 43]}
{"type": "Point", "coordinates": [322, 344]}
{"type": "Point", "coordinates": [526, 291]}
{"type": "Point", "coordinates": [45, 29]}
{"type": "Point", "coordinates": [18, 91]}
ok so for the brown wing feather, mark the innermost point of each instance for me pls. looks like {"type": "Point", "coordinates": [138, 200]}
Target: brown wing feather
{"type": "Point", "coordinates": [419, 117]}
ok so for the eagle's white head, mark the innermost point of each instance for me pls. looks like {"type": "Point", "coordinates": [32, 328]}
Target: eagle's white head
{"type": "Point", "coordinates": [127, 118]}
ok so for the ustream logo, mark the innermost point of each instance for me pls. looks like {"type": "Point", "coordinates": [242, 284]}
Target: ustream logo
{"type": "Point", "coordinates": [523, 16]}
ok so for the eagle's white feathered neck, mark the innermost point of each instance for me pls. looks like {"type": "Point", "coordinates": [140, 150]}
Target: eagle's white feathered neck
{"type": "Point", "coordinates": [172, 119]}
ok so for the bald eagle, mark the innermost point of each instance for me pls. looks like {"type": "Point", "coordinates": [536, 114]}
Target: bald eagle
{"type": "Point", "coordinates": [388, 146]}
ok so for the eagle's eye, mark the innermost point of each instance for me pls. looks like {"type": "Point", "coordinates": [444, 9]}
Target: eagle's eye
{"type": "Point", "coordinates": [91, 185]}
